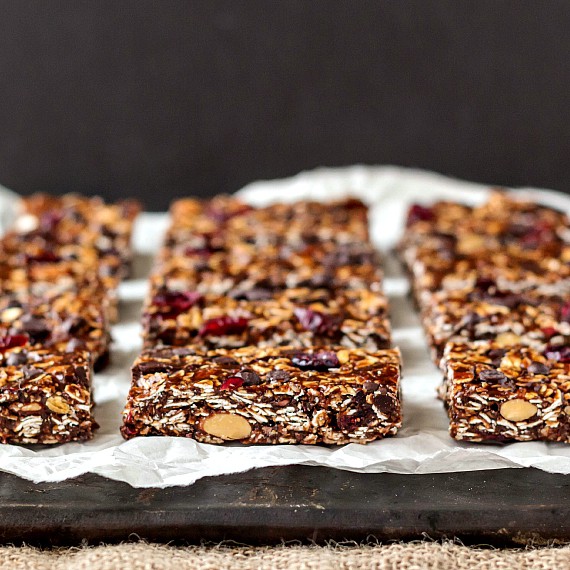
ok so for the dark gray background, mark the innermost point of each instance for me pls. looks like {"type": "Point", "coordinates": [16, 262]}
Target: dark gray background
{"type": "Point", "coordinates": [159, 99]}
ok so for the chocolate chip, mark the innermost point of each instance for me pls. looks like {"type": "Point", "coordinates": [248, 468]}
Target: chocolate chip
{"type": "Point", "coordinates": [152, 367]}
{"type": "Point", "coordinates": [16, 358]}
{"type": "Point", "coordinates": [30, 372]}
{"type": "Point", "coordinates": [73, 325]}
{"type": "Point", "coordinates": [37, 329]}
{"type": "Point", "coordinates": [385, 404]}
{"type": "Point", "coordinates": [278, 376]}
{"type": "Point", "coordinates": [249, 377]}
{"type": "Point", "coordinates": [81, 374]}
{"type": "Point", "coordinates": [370, 386]}
{"type": "Point", "coordinates": [225, 362]}
{"type": "Point", "coordinates": [538, 368]}
{"type": "Point", "coordinates": [492, 375]}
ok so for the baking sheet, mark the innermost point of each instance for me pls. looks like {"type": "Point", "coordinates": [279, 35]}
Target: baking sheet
{"type": "Point", "coordinates": [421, 446]}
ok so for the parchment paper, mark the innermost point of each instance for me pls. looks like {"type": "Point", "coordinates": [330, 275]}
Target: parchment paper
{"type": "Point", "coordinates": [421, 446]}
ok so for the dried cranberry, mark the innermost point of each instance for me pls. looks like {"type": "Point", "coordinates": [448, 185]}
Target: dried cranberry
{"type": "Point", "coordinates": [198, 251]}
{"type": "Point", "coordinates": [223, 326]}
{"type": "Point", "coordinates": [538, 368]}
{"type": "Point", "coordinates": [559, 353]}
{"type": "Point", "coordinates": [492, 375]}
{"type": "Point", "coordinates": [49, 220]}
{"type": "Point", "coordinates": [278, 376]}
{"type": "Point", "coordinates": [549, 332]}
{"type": "Point", "coordinates": [322, 360]}
{"type": "Point", "coordinates": [249, 376]}
{"type": "Point", "coordinates": [232, 383]}
{"type": "Point", "coordinates": [174, 302]}
{"type": "Point", "coordinates": [539, 234]}
{"type": "Point", "coordinates": [12, 341]}
{"type": "Point", "coordinates": [484, 284]}
{"type": "Point", "coordinates": [42, 257]}
{"type": "Point", "coordinates": [317, 322]}
{"type": "Point", "coordinates": [565, 313]}
{"type": "Point", "coordinates": [419, 213]}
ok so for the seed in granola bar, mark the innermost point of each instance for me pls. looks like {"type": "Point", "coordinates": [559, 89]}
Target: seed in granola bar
{"type": "Point", "coordinates": [249, 376]}
{"type": "Point", "coordinates": [223, 326]}
{"type": "Point", "coordinates": [518, 410]}
{"type": "Point", "coordinates": [492, 375]}
{"type": "Point", "coordinates": [558, 353]}
{"type": "Point", "coordinates": [232, 383]}
{"type": "Point", "coordinates": [316, 321]}
{"type": "Point", "coordinates": [227, 426]}
{"type": "Point", "coordinates": [322, 360]}
{"type": "Point", "coordinates": [277, 376]}
{"type": "Point", "coordinates": [16, 358]}
{"type": "Point", "coordinates": [12, 341]}
{"type": "Point", "coordinates": [538, 368]}
{"type": "Point", "coordinates": [225, 362]}
{"type": "Point", "coordinates": [419, 213]}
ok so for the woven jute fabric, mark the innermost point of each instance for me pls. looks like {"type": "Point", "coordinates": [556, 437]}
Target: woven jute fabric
{"type": "Point", "coordinates": [393, 557]}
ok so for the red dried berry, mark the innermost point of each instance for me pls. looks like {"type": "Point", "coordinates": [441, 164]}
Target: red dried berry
{"type": "Point", "coordinates": [232, 383]}
{"type": "Point", "coordinates": [419, 213]}
{"type": "Point", "coordinates": [558, 353]}
{"type": "Point", "coordinates": [11, 341]}
{"type": "Point", "coordinates": [43, 257]}
{"type": "Point", "coordinates": [173, 302]}
{"type": "Point", "coordinates": [198, 251]}
{"type": "Point", "coordinates": [538, 235]}
{"type": "Point", "coordinates": [223, 325]}
{"type": "Point", "coordinates": [322, 360]}
{"type": "Point", "coordinates": [565, 313]}
{"type": "Point", "coordinates": [316, 321]}
{"type": "Point", "coordinates": [549, 332]}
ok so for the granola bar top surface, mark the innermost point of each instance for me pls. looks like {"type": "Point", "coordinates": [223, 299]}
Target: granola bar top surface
{"type": "Point", "coordinates": [225, 219]}
{"type": "Point", "coordinates": [510, 318]}
{"type": "Point", "coordinates": [500, 393]}
{"type": "Point", "coordinates": [503, 218]}
{"type": "Point", "coordinates": [45, 394]}
{"type": "Point", "coordinates": [66, 317]}
{"type": "Point", "coordinates": [295, 317]}
{"type": "Point", "coordinates": [265, 395]}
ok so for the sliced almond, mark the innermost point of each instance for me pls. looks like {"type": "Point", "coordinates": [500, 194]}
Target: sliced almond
{"type": "Point", "coordinates": [57, 405]}
{"type": "Point", "coordinates": [227, 426]}
{"type": "Point", "coordinates": [343, 356]}
{"type": "Point", "coordinates": [567, 410]}
{"type": "Point", "coordinates": [518, 410]}
{"type": "Point", "coordinates": [11, 314]}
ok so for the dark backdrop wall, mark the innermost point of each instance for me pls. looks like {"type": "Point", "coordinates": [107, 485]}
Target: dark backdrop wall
{"type": "Point", "coordinates": [159, 99]}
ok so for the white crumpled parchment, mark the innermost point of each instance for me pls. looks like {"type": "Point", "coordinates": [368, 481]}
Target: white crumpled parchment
{"type": "Point", "coordinates": [421, 446]}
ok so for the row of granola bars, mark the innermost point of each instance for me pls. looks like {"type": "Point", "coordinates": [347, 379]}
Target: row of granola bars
{"type": "Point", "coordinates": [60, 266]}
{"type": "Point", "coordinates": [266, 325]}
{"type": "Point", "coordinates": [492, 283]}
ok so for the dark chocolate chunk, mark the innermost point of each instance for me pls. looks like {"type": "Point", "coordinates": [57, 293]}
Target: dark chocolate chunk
{"type": "Point", "coordinates": [538, 368]}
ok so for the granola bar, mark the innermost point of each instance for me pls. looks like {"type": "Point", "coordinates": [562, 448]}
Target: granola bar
{"type": "Point", "coordinates": [265, 395]}
{"type": "Point", "coordinates": [299, 317]}
{"type": "Point", "coordinates": [508, 318]}
{"type": "Point", "coordinates": [516, 393]}
{"type": "Point", "coordinates": [45, 394]}
{"type": "Point", "coordinates": [73, 318]}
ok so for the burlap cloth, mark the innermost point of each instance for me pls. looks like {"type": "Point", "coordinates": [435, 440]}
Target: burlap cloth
{"type": "Point", "coordinates": [394, 557]}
